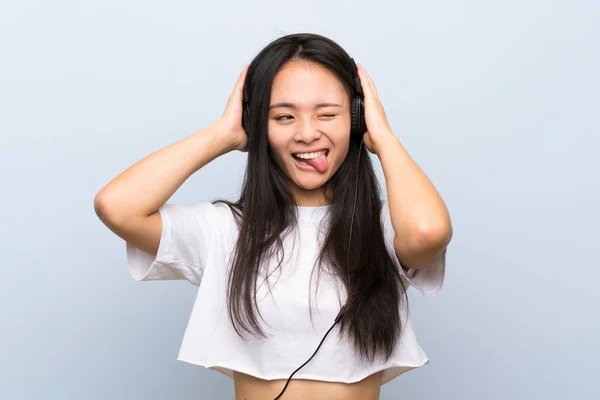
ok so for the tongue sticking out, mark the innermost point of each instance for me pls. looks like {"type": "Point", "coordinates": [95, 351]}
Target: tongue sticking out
{"type": "Point", "coordinates": [319, 163]}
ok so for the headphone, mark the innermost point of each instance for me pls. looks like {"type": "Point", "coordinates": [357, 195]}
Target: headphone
{"type": "Point", "coordinates": [358, 126]}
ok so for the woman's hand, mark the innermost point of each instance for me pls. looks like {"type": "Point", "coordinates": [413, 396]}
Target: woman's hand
{"type": "Point", "coordinates": [378, 128]}
{"type": "Point", "coordinates": [231, 121]}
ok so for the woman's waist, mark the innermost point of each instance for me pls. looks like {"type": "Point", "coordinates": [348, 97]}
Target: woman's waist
{"type": "Point", "coordinates": [248, 387]}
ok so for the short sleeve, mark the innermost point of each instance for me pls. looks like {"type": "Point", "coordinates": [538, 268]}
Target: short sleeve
{"type": "Point", "coordinates": [428, 280]}
{"type": "Point", "coordinates": [187, 239]}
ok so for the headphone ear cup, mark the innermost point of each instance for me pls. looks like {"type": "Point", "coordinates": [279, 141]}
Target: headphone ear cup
{"type": "Point", "coordinates": [353, 111]}
{"type": "Point", "coordinates": [358, 125]}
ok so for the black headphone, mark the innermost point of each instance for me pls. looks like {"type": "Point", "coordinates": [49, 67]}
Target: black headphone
{"type": "Point", "coordinates": [357, 109]}
{"type": "Point", "coordinates": [358, 126]}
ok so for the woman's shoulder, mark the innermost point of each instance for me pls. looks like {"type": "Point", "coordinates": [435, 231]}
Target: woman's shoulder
{"type": "Point", "coordinates": [226, 211]}
{"type": "Point", "coordinates": [216, 215]}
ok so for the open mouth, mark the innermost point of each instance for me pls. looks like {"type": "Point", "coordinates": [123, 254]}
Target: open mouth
{"type": "Point", "coordinates": [303, 157]}
{"type": "Point", "coordinates": [312, 161]}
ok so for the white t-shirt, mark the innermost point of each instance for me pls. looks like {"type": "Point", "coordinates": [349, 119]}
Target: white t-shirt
{"type": "Point", "coordinates": [196, 243]}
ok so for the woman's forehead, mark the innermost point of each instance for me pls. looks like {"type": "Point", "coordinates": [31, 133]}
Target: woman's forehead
{"type": "Point", "coordinates": [307, 84]}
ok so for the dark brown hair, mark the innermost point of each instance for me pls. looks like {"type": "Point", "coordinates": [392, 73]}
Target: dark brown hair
{"type": "Point", "coordinates": [265, 210]}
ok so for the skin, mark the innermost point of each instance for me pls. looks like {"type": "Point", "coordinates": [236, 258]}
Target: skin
{"type": "Point", "coordinates": [304, 123]}
{"type": "Point", "coordinates": [248, 387]}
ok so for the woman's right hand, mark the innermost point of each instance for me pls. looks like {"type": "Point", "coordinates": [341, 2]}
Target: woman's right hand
{"type": "Point", "coordinates": [231, 121]}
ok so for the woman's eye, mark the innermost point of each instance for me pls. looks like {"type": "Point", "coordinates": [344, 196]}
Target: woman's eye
{"type": "Point", "coordinates": [289, 117]}
{"type": "Point", "coordinates": [328, 116]}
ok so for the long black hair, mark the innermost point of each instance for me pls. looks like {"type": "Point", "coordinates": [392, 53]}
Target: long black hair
{"type": "Point", "coordinates": [265, 210]}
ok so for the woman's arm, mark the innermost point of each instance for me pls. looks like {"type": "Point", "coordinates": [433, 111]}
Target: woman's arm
{"type": "Point", "coordinates": [146, 185]}
{"type": "Point", "coordinates": [128, 205]}
{"type": "Point", "coordinates": [419, 216]}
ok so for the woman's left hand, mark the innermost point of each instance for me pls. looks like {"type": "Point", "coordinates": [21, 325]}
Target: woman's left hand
{"type": "Point", "coordinates": [378, 128]}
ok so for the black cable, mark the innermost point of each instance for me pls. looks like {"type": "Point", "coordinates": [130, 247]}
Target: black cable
{"type": "Point", "coordinates": [337, 319]}
{"type": "Point", "coordinates": [311, 357]}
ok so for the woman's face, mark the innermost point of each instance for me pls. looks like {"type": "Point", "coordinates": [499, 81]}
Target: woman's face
{"type": "Point", "coordinates": [309, 127]}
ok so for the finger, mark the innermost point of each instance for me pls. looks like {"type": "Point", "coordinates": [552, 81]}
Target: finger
{"type": "Point", "coordinates": [240, 82]}
{"type": "Point", "coordinates": [237, 93]}
{"type": "Point", "coordinates": [364, 82]}
{"type": "Point", "coordinates": [369, 81]}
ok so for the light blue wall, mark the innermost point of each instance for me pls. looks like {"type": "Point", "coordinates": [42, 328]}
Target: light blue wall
{"type": "Point", "coordinates": [496, 100]}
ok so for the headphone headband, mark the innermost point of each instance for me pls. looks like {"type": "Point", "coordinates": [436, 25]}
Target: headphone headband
{"type": "Point", "coordinates": [357, 86]}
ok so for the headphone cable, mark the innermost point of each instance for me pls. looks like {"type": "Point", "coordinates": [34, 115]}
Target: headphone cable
{"type": "Point", "coordinates": [337, 319]}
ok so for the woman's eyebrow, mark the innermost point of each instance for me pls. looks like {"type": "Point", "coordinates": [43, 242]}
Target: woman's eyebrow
{"type": "Point", "coordinates": [292, 105]}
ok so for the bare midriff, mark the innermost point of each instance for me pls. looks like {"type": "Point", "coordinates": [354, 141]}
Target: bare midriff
{"type": "Point", "coordinates": [248, 387]}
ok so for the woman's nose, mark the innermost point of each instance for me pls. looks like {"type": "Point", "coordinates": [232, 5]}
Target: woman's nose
{"type": "Point", "coordinates": [307, 129]}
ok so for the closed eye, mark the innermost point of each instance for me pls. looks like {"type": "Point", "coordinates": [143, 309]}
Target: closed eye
{"type": "Point", "coordinates": [289, 117]}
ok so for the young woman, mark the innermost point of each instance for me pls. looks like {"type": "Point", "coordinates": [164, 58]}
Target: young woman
{"type": "Point", "coordinates": [305, 276]}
